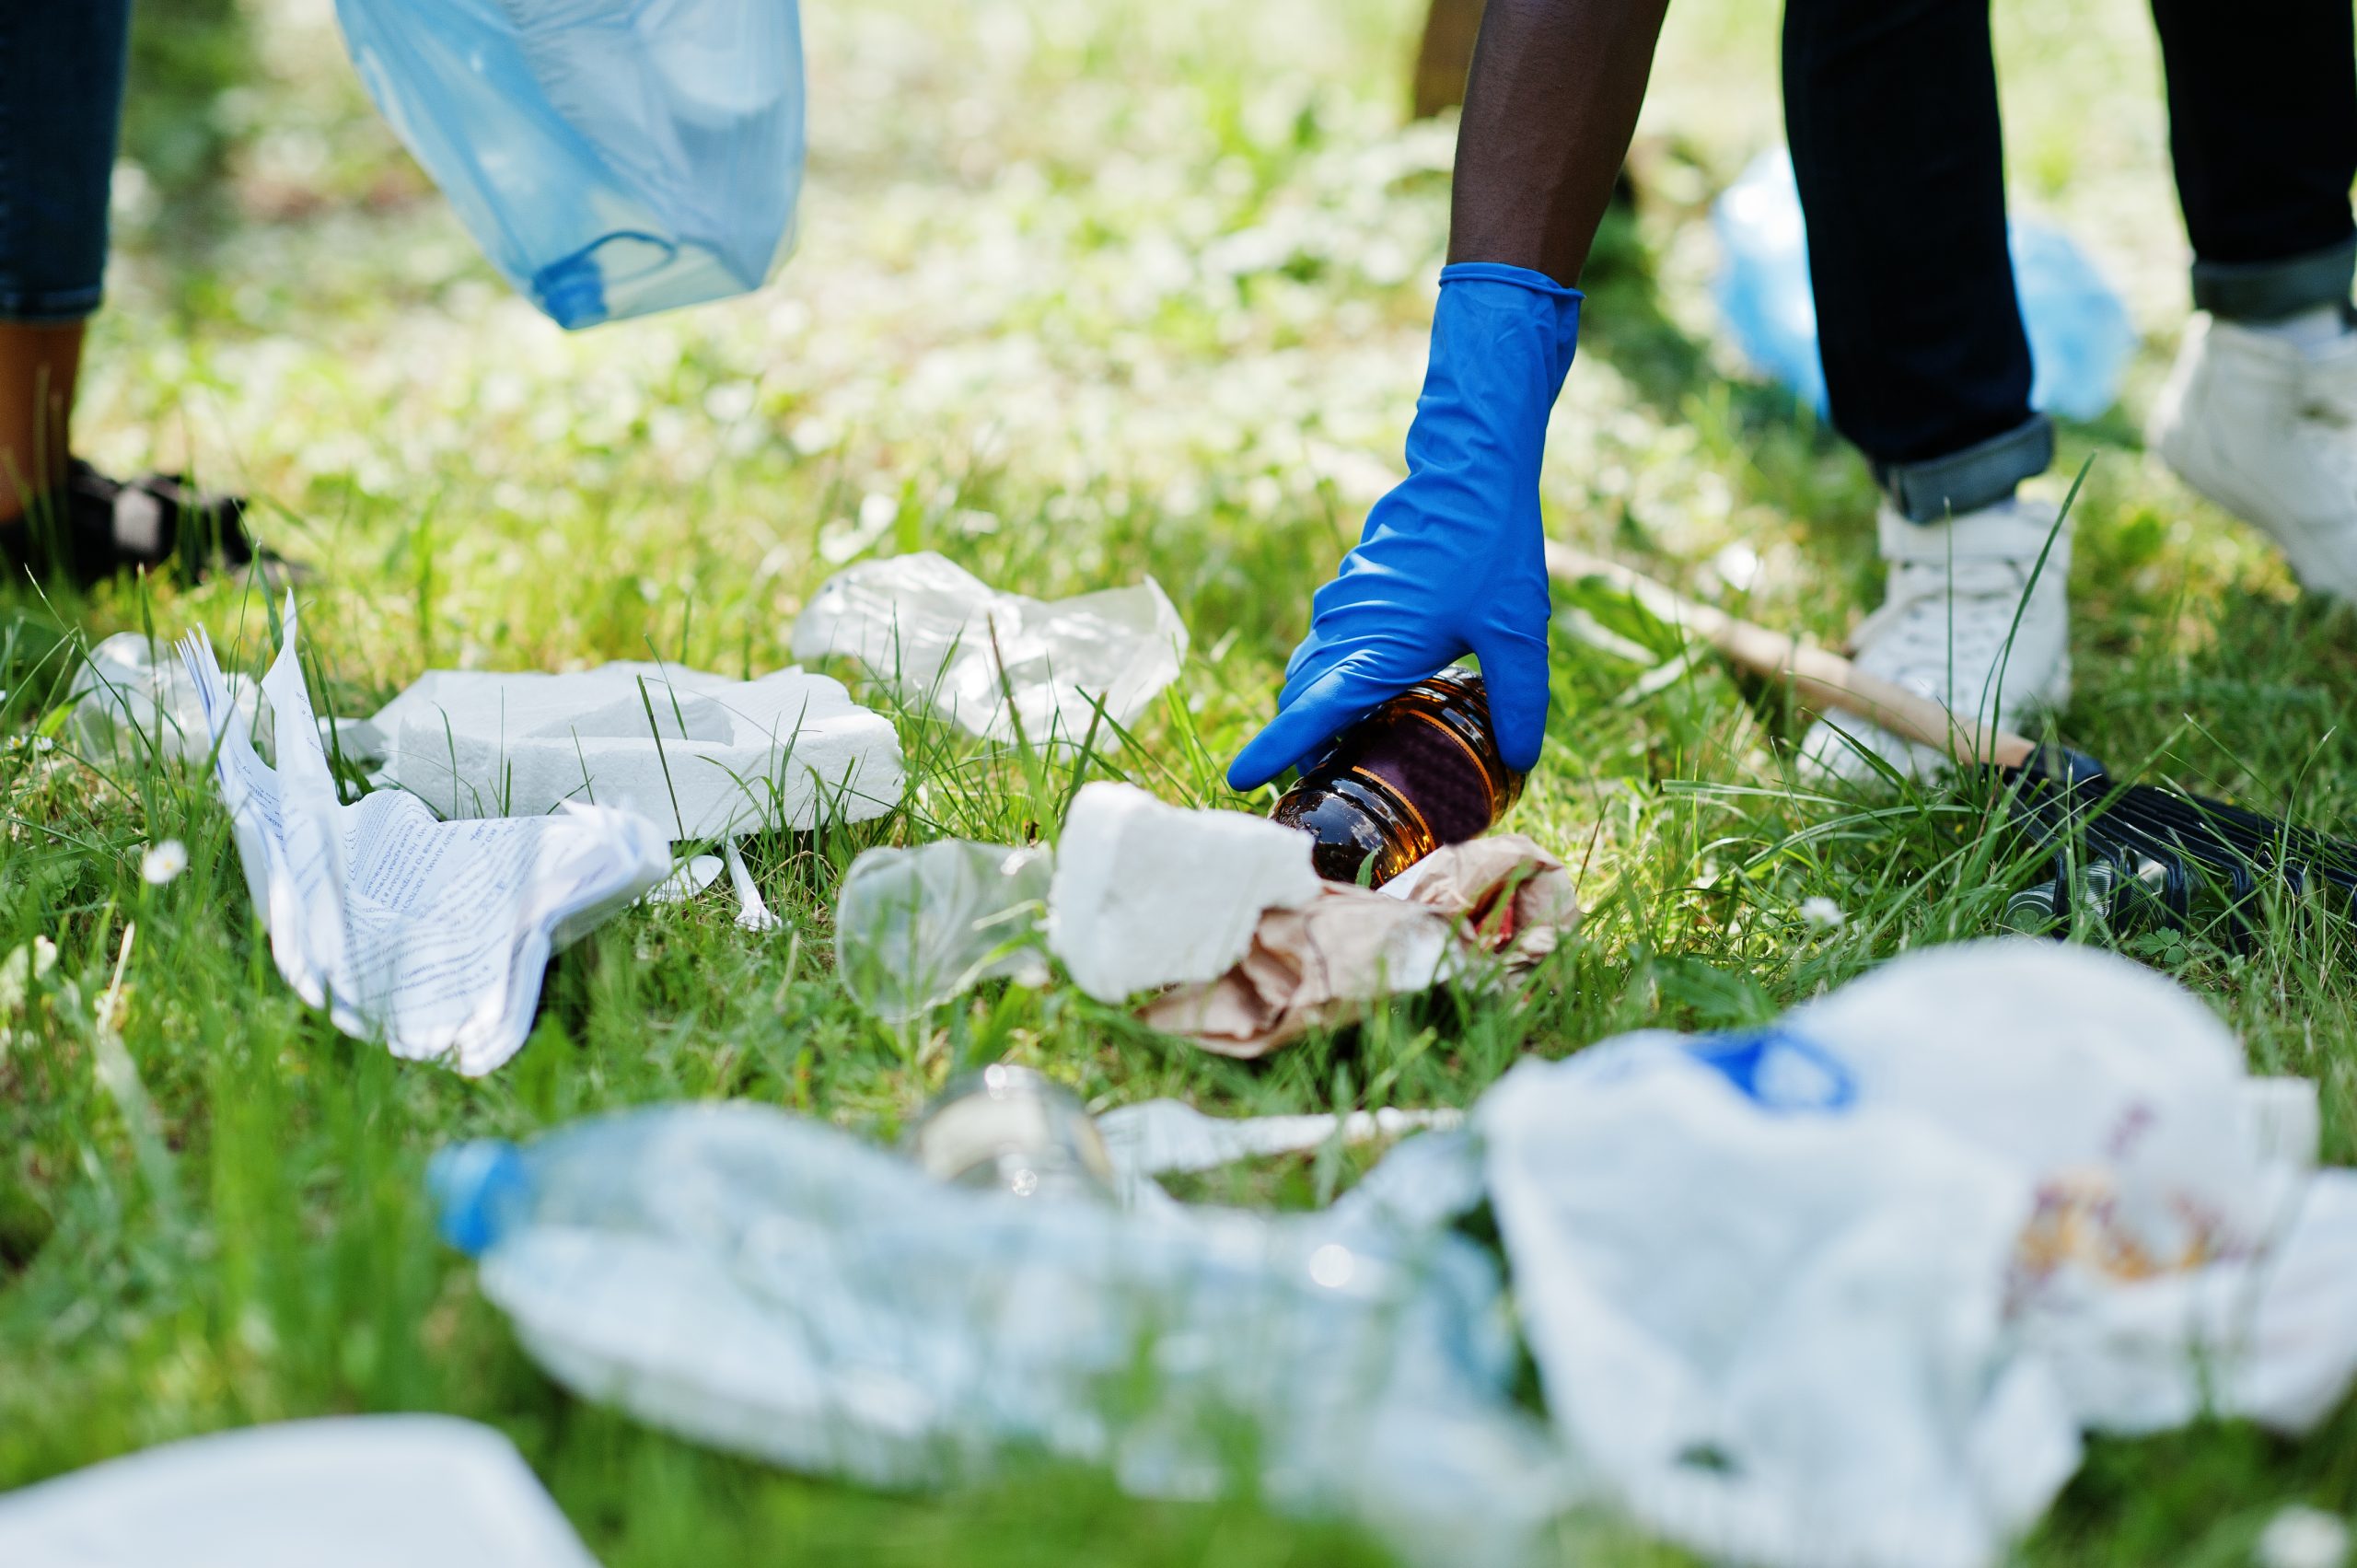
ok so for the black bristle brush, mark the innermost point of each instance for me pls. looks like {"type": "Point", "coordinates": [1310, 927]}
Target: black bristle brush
{"type": "Point", "coordinates": [2143, 855]}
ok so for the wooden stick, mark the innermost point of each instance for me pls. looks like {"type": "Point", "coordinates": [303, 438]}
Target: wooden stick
{"type": "Point", "coordinates": [1822, 678]}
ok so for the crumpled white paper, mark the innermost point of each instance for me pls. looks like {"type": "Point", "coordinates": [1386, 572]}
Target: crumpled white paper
{"type": "Point", "coordinates": [1845, 1291]}
{"type": "Point", "coordinates": [357, 1492]}
{"type": "Point", "coordinates": [944, 637]}
{"type": "Point", "coordinates": [1147, 895]}
{"type": "Point", "coordinates": [431, 935]}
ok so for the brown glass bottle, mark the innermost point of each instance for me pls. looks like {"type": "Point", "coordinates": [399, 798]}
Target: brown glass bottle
{"type": "Point", "coordinates": [1420, 771]}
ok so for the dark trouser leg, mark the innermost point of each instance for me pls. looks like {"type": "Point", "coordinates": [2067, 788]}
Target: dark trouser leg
{"type": "Point", "coordinates": [2263, 130]}
{"type": "Point", "coordinates": [1891, 108]}
{"type": "Point", "coordinates": [61, 100]}
{"type": "Point", "coordinates": [61, 96]}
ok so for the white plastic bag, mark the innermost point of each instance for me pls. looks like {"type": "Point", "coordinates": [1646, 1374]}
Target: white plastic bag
{"type": "Point", "coordinates": [1846, 1290]}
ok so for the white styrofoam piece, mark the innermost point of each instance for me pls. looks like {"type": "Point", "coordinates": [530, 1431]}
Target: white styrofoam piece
{"type": "Point", "coordinates": [1147, 895]}
{"type": "Point", "coordinates": [785, 750]}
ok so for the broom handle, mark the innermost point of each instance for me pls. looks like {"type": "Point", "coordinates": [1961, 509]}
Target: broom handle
{"type": "Point", "coordinates": [1823, 679]}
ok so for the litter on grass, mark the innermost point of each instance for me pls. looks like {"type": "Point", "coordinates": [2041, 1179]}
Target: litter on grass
{"type": "Point", "coordinates": [774, 1286]}
{"type": "Point", "coordinates": [916, 927]}
{"type": "Point", "coordinates": [1320, 965]}
{"type": "Point", "coordinates": [1147, 895]}
{"type": "Point", "coordinates": [2079, 336]}
{"type": "Point", "coordinates": [1317, 964]}
{"type": "Point", "coordinates": [1847, 1289]}
{"type": "Point", "coordinates": [354, 1491]}
{"type": "Point", "coordinates": [705, 756]}
{"type": "Point", "coordinates": [1013, 1130]}
{"type": "Point", "coordinates": [1219, 914]}
{"type": "Point", "coordinates": [126, 700]}
{"type": "Point", "coordinates": [1844, 1290]}
{"type": "Point", "coordinates": [943, 637]}
{"type": "Point", "coordinates": [1505, 894]}
{"type": "Point", "coordinates": [1168, 1137]}
{"type": "Point", "coordinates": [430, 935]}
{"type": "Point", "coordinates": [690, 875]}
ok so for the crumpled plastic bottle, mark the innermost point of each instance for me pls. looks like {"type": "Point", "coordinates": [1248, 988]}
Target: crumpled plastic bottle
{"type": "Point", "coordinates": [612, 157]}
{"type": "Point", "coordinates": [770, 1284]}
{"type": "Point", "coordinates": [2079, 336]}
{"type": "Point", "coordinates": [916, 927]}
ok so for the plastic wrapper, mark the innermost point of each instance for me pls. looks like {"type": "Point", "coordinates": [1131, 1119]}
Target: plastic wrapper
{"type": "Point", "coordinates": [916, 927]}
{"type": "Point", "coordinates": [127, 699]}
{"type": "Point", "coordinates": [2080, 337]}
{"type": "Point", "coordinates": [611, 156]}
{"type": "Point", "coordinates": [946, 639]}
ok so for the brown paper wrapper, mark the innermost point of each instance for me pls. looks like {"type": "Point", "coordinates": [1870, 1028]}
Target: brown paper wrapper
{"type": "Point", "coordinates": [1322, 963]}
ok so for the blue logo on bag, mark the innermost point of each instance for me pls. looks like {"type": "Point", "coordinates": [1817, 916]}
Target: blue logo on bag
{"type": "Point", "coordinates": [1779, 1070]}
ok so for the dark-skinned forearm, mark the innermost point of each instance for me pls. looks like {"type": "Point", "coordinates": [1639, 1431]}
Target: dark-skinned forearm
{"type": "Point", "coordinates": [1548, 111]}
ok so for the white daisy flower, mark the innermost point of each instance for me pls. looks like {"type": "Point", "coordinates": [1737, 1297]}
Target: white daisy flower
{"type": "Point", "coordinates": [162, 862]}
{"type": "Point", "coordinates": [2301, 1537]}
{"type": "Point", "coordinates": [1822, 914]}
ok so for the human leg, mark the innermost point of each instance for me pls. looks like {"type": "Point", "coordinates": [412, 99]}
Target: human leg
{"type": "Point", "coordinates": [40, 363]}
{"type": "Point", "coordinates": [61, 102]}
{"type": "Point", "coordinates": [2260, 411]}
{"type": "Point", "coordinates": [1891, 109]}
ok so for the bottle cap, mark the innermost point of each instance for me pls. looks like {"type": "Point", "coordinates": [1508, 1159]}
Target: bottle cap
{"type": "Point", "coordinates": [479, 1187]}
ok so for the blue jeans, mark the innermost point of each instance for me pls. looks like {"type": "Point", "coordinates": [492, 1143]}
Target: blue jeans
{"type": "Point", "coordinates": [61, 100]}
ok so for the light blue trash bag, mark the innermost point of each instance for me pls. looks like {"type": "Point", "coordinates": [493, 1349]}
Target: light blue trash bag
{"type": "Point", "coordinates": [612, 157]}
{"type": "Point", "coordinates": [2080, 337]}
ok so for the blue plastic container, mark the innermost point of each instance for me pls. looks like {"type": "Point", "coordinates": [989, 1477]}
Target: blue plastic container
{"type": "Point", "coordinates": [612, 157]}
{"type": "Point", "coordinates": [2080, 337]}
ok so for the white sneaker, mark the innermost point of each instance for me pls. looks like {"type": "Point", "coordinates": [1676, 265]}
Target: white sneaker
{"type": "Point", "coordinates": [2268, 431]}
{"type": "Point", "coordinates": [1947, 629]}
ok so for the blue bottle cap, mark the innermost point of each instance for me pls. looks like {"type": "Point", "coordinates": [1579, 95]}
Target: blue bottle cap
{"type": "Point", "coordinates": [479, 1188]}
{"type": "Point", "coordinates": [572, 290]}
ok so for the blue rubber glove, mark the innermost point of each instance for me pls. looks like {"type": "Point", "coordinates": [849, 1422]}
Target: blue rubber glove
{"type": "Point", "coordinates": [1452, 560]}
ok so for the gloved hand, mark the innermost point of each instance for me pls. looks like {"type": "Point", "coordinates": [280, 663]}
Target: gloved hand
{"type": "Point", "coordinates": [1452, 560]}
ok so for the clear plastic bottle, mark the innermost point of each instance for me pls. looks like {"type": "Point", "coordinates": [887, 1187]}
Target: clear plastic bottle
{"type": "Point", "coordinates": [1011, 1130]}
{"type": "Point", "coordinates": [1420, 771]}
{"type": "Point", "coordinates": [775, 1286]}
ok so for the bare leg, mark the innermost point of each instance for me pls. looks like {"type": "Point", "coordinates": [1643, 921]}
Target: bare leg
{"type": "Point", "coordinates": [38, 366]}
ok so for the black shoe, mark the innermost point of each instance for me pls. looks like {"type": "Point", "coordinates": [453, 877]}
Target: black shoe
{"type": "Point", "coordinates": [92, 527]}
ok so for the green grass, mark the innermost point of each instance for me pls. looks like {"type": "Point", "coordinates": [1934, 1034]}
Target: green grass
{"type": "Point", "coordinates": [1086, 291]}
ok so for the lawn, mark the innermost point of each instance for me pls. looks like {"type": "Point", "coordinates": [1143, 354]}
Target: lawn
{"type": "Point", "coordinates": [1086, 291]}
